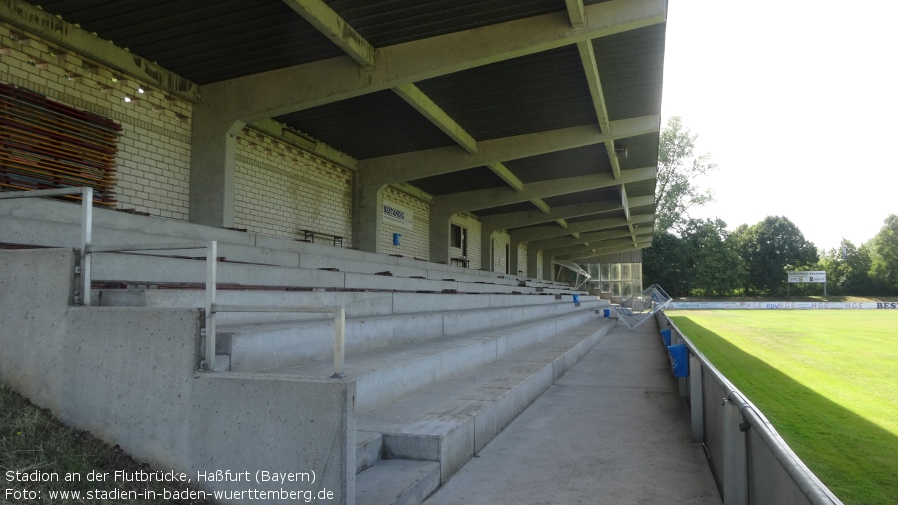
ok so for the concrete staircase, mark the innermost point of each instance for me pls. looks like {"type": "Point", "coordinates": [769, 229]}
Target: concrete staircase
{"type": "Point", "coordinates": [443, 357]}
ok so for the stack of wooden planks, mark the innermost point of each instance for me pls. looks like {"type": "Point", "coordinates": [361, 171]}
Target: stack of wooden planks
{"type": "Point", "coordinates": [46, 145]}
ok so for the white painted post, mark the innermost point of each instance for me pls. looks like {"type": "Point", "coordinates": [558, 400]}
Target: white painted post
{"type": "Point", "coordinates": [339, 340]}
{"type": "Point", "coordinates": [87, 206]}
{"type": "Point", "coordinates": [211, 277]}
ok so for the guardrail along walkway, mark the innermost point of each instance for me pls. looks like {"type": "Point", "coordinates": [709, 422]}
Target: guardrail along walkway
{"type": "Point", "coordinates": [613, 430]}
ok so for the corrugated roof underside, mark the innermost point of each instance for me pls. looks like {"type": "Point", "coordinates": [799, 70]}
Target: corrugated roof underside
{"type": "Point", "coordinates": [588, 160]}
{"type": "Point", "coordinates": [631, 67]}
{"type": "Point", "coordinates": [387, 22]}
{"type": "Point", "coordinates": [213, 41]}
{"type": "Point", "coordinates": [540, 92]}
{"type": "Point", "coordinates": [202, 41]}
{"type": "Point", "coordinates": [369, 126]}
{"type": "Point", "coordinates": [504, 209]}
{"type": "Point", "coordinates": [591, 196]}
{"type": "Point", "coordinates": [457, 182]}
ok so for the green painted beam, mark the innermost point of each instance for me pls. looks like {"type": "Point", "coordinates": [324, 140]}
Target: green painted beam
{"type": "Point", "coordinates": [528, 218]}
{"type": "Point", "coordinates": [549, 231]}
{"type": "Point", "coordinates": [570, 251]}
{"type": "Point", "coordinates": [576, 13]}
{"type": "Point", "coordinates": [300, 87]}
{"type": "Point", "coordinates": [329, 23]}
{"type": "Point", "coordinates": [496, 197]}
{"type": "Point", "coordinates": [602, 251]}
{"type": "Point", "coordinates": [540, 204]}
{"type": "Point", "coordinates": [444, 160]}
{"type": "Point", "coordinates": [590, 239]}
{"type": "Point", "coordinates": [430, 110]}
{"type": "Point", "coordinates": [505, 174]}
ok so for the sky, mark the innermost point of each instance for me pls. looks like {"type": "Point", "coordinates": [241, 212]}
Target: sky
{"type": "Point", "coordinates": [796, 102]}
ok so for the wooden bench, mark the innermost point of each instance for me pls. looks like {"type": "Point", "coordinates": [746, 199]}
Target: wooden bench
{"type": "Point", "coordinates": [309, 236]}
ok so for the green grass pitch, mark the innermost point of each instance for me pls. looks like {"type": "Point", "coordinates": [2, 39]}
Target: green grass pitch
{"type": "Point", "coordinates": [827, 380]}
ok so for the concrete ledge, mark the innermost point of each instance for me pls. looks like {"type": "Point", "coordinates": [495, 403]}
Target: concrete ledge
{"type": "Point", "coordinates": [273, 345]}
{"type": "Point", "coordinates": [358, 304]}
{"type": "Point", "coordinates": [454, 420]}
{"type": "Point", "coordinates": [368, 449]}
{"type": "Point", "coordinates": [155, 269]}
{"type": "Point", "coordinates": [387, 373]}
{"type": "Point", "coordinates": [397, 482]}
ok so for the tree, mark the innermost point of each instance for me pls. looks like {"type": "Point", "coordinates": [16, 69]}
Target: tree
{"type": "Point", "coordinates": [769, 248]}
{"type": "Point", "coordinates": [678, 167]}
{"type": "Point", "coordinates": [848, 269]}
{"type": "Point", "coordinates": [665, 264]}
{"type": "Point", "coordinates": [716, 267]}
{"type": "Point", "coordinates": [701, 260]}
{"type": "Point", "coordinates": [884, 268]}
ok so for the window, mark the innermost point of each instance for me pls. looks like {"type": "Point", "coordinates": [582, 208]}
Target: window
{"type": "Point", "coordinates": [455, 235]}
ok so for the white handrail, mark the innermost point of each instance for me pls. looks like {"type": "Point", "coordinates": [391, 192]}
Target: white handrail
{"type": "Point", "coordinates": [87, 201]}
{"type": "Point", "coordinates": [211, 247]}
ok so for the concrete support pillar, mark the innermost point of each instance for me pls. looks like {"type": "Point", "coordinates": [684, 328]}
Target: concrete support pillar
{"type": "Point", "coordinates": [439, 233]}
{"type": "Point", "coordinates": [486, 247]}
{"type": "Point", "coordinates": [532, 262]}
{"type": "Point", "coordinates": [547, 266]}
{"type": "Point", "coordinates": [368, 217]}
{"type": "Point", "coordinates": [514, 244]}
{"type": "Point", "coordinates": [213, 168]}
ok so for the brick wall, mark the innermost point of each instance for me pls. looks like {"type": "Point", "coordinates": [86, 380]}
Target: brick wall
{"type": "Point", "coordinates": [414, 242]}
{"type": "Point", "coordinates": [281, 190]}
{"type": "Point", "coordinates": [153, 161]}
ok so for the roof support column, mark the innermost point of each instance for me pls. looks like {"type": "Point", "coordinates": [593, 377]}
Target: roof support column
{"type": "Point", "coordinates": [548, 268]}
{"type": "Point", "coordinates": [514, 245]}
{"type": "Point", "coordinates": [532, 262]}
{"type": "Point", "coordinates": [368, 217]}
{"type": "Point", "coordinates": [439, 233]}
{"type": "Point", "coordinates": [486, 247]}
{"type": "Point", "coordinates": [213, 168]}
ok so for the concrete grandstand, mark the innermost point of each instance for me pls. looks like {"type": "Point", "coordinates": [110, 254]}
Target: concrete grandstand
{"type": "Point", "coordinates": [256, 166]}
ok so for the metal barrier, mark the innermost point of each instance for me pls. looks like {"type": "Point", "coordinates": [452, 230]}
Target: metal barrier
{"type": "Point", "coordinates": [639, 308]}
{"type": "Point", "coordinates": [211, 308]}
{"type": "Point", "coordinates": [751, 463]}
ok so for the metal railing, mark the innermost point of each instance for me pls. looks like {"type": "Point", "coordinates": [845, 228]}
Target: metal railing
{"type": "Point", "coordinates": [210, 307]}
{"type": "Point", "coordinates": [87, 219]}
{"type": "Point", "coordinates": [751, 462]}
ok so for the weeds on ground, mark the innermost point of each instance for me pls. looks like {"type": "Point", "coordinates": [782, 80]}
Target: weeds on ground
{"type": "Point", "coordinates": [38, 447]}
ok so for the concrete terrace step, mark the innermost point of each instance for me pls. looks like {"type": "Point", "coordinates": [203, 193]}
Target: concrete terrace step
{"type": "Point", "coordinates": [357, 303]}
{"type": "Point", "coordinates": [56, 223]}
{"type": "Point", "coordinates": [452, 421]}
{"type": "Point", "coordinates": [151, 268]}
{"type": "Point", "coordinates": [385, 374]}
{"type": "Point", "coordinates": [397, 482]}
{"type": "Point", "coordinates": [260, 346]}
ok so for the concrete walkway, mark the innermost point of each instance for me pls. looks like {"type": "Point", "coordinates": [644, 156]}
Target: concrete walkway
{"type": "Point", "coordinates": [611, 431]}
